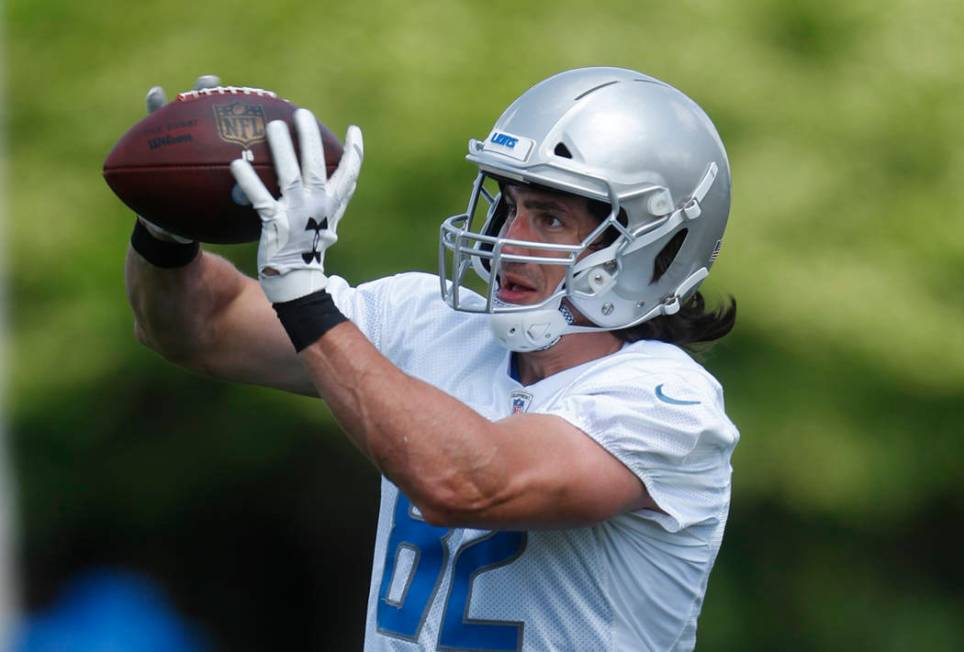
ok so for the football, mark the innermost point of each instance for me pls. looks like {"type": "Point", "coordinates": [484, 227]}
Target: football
{"type": "Point", "coordinates": [173, 167]}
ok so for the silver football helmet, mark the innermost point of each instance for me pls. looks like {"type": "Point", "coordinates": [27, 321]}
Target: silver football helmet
{"type": "Point", "coordinates": [607, 134]}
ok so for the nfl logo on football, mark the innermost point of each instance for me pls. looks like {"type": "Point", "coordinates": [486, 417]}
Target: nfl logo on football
{"type": "Point", "coordinates": [240, 123]}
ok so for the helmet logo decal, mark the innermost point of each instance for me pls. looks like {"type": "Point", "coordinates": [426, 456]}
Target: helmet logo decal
{"type": "Point", "coordinates": [517, 147]}
{"type": "Point", "coordinates": [716, 251]}
{"type": "Point", "coordinates": [504, 139]}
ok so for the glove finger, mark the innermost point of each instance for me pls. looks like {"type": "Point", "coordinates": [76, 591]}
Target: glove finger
{"type": "Point", "coordinates": [283, 153]}
{"type": "Point", "coordinates": [313, 169]}
{"type": "Point", "coordinates": [253, 188]}
{"type": "Point", "coordinates": [341, 207]}
{"type": "Point", "coordinates": [206, 81]}
{"type": "Point", "coordinates": [345, 177]}
{"type": "Point", "coordinates": [155, 99]}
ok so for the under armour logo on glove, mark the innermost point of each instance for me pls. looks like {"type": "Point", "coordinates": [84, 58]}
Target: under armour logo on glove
{"type": "Point", "coordinates": [315, 253]}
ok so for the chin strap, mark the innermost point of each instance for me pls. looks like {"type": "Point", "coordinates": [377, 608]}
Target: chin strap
{"type": "Point", "coordinates": [531, 330]}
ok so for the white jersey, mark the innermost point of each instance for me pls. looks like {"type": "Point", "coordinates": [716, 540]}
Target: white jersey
{"type": "Point", "coordinates": [634, 582]}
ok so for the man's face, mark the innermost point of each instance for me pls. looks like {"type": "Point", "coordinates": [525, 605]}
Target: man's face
{"type": "Point", "coordinates": [546, 217]}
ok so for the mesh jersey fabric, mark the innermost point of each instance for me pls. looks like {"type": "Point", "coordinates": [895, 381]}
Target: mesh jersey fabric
{"type": "Point", "coordinates": [633, 582]}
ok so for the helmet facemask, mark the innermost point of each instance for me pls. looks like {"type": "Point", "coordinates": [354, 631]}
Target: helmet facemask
{"type": "Point", "coordinates": [472, 257]}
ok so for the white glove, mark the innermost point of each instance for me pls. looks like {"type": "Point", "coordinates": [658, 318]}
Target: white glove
{"type": "Point", "coordinates": [156, 99]}
{"type": "Point", "coordinates": [298, 228]}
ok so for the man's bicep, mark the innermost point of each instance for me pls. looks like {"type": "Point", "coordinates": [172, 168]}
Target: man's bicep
{"type": "Point", "coordinates": [564, 477]}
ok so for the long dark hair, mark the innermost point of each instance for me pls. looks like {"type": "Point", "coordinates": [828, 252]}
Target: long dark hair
{"type": "Point", "coordinates": [694, 327]}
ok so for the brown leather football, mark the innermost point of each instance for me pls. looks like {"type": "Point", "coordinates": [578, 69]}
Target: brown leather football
{"type": "Point", "coordinates": [172, 167]}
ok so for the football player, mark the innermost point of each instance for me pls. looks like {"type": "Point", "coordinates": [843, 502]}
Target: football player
{"type": "Point", "coordinates": [556, 467]}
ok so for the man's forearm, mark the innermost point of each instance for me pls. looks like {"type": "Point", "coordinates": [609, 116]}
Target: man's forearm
{"type": "Point", "coordinates": [435, 448]}
{"type": "Point", "coordinates": [172, 307]}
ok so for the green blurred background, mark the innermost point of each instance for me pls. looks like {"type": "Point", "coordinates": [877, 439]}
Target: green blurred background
{"type": "Point", "coordinates": [845, 252]}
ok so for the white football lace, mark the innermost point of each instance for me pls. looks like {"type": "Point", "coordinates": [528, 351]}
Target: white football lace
{"type": "Point", "coordinates": [223, 90]}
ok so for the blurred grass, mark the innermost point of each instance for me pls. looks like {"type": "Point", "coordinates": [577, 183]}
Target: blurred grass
{"type": "Point", "coordinates": [845, 252]}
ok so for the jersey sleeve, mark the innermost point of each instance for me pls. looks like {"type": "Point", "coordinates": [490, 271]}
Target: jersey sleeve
{"type": "Point", "coordinates": [390, 311]}
{"type": "Point", "coordinates": [362, 304]}
{"type": "Point", "coordinates": [668, 428]}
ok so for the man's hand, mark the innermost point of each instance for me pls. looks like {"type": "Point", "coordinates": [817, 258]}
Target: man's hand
{"type": "Point", "coordinates": [298, 228]}
{"type": "Point", "coordinates": [156, 98]}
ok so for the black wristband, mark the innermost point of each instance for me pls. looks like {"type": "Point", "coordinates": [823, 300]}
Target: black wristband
{"type": "Point", "coordinates": [161, 253]}
{"type": "Point", "coordinates": [308, 318]}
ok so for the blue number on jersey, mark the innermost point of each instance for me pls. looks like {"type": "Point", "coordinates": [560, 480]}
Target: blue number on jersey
{"type": "Point", "coordinates": [404, 618]}
{"type": "Point", "coordinates": [458, 631]}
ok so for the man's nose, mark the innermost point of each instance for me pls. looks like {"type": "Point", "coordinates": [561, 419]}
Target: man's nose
{"type": "Point", "coordinates": [519, 228]}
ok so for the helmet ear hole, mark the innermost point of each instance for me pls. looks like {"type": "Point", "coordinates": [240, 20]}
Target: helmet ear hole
{"type": "Point", "coordinates": [667, 255]}
{"type": "Point", "coordinates": [562, 151]}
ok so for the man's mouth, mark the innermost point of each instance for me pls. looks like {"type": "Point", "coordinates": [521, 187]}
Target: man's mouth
{"type": "Point", "coordinates": [516, 289]}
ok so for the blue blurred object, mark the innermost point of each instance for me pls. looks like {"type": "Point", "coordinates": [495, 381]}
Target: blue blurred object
{"type": "Point", "coordinates": [108, 611]}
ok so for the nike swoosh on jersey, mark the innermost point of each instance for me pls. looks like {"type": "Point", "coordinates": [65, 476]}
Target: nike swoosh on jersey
{"type": "Point", "coordinates": [672, 401]}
